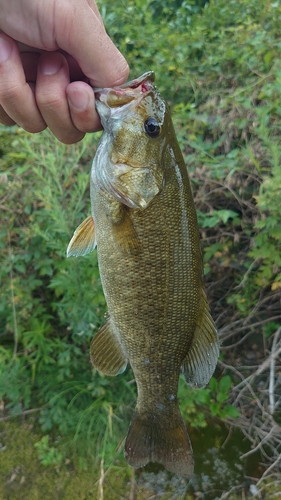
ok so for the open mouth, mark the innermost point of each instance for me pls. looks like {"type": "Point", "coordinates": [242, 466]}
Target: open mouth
{"type": "Point", "coordinates": [118, 96]}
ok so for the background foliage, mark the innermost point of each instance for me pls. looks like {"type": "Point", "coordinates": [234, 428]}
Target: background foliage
{"type": "Point", "coordinates": [218, 65]}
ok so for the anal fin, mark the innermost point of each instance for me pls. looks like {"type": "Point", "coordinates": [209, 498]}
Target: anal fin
{"type": "Point", "coordinates": [107, 355]}
{"type": "Point", "coordinates": [83, 240]}
{"type": "Point", "coordinates": [200, 362]}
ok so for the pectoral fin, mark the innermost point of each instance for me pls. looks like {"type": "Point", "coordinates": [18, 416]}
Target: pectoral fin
{"type": "Point", "coordinates": [107, 355]}
{"type": "Point", "coordinates": [122, 226]}
{"type": "Point", "coordinates": [200, 362]}
{"type": "Point", "coordinates": [125, 234]}
{"type": "Point", "coordinates": [83, 240]}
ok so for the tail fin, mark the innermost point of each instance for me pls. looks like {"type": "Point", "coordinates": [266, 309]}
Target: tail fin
{"type": "Point", "coordinates": [154, 439]}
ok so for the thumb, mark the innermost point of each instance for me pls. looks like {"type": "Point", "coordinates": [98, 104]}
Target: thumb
{"type": "Point", "coordinates": [80, 32]}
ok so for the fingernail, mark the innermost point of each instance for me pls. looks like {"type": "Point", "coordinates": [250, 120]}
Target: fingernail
{"type": "Point", "coordinates": [50, 65]}
{"type": "Point", "coordinates": [5, 49]}
{"type": "Point", "coordinates": [78, 99]}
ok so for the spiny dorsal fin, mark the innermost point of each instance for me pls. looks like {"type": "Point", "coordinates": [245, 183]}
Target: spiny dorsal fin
{"type": "Point", "coordinates": [83, 240]}
{"type": "Point", "coordinates": [106, 352]}
{"type": "Point", "coordinates": [200, 362]}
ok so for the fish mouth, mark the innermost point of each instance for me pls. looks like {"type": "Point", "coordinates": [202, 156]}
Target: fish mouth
{"type": "Point", "coordinates": [123, 94]}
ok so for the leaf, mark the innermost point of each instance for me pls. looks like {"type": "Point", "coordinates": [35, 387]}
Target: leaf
{"type": "Point", "coordinates": [214, 408]}
{"type": "Point", "coordinates": [213, 384]}
{"type": "Point", "coordinates": [268, 57]}
{"type": "Point", "coordinates": [275, 285]}
{"type": "Point", "coordinates": [222, 397]}
{"type": "Point", "coordinates": [231, 411]}
{"type": "Point", "coordinates": [225, 384]}
{"type": "Point", "coordinates": [224, 215]}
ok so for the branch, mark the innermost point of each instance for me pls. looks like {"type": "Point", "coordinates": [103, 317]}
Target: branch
{"type": "Point", "coordinates": [271, 406]}
{"type": "Point", "coordinates": [262, 367]}
{"type": "Point", "coordinates": [264, 440]}
{"type": "Point", "coordinates": [269, 469]}
{"type": "Point", "coordinates": [26, 412]}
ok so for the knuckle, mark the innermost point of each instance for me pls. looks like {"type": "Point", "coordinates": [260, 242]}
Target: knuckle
{"type": "Point", "coordinates": [5, 119]}
{"type": "Point", "coordinates": [86, 122]}
{"type": "Point", "coordinates": [49, 102]}
{"type": "Point", "coordinates": [16, 107]}
{"type": "Point", "coordinates": [83, 129]}
{"type": "Point", "coordinates": [33, 128]}
{"type": "Point", "coordinates": [9, 93]}
{"type": "Point", "coordinates": [70, 138]}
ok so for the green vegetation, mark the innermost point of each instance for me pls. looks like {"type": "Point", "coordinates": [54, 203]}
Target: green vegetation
{"type": "Point", "coordinates": [24, 477]}
{"type": "Point", "coordinates": [219, 66]}
{"type": "Point", "coordinates": [51, 306]}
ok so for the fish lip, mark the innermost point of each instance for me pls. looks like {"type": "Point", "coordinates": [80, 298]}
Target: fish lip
{"type": "Point", "coordinates": [149, 76]}
{"type": "Point", "coordinates": [127, 92]}
{"type": "Point", "coordinates": [132, 84]}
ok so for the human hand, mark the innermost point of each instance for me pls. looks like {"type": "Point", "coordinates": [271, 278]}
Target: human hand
{"type": "Point", "coordinates": [49, 51]}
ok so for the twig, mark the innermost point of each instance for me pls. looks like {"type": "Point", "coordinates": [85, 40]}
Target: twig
{"type": "Point", "coordinates": [242, 283]}
{"type": "Point", "coordinates": [262, 367]}
{"type": "Point", "coordinates": [13, 299]}
{"type": "Point", "coordinates": [229, 367]}
{"type": "Point", "coordinates": [240, 341]}
{"type": "Point", "coordinates": [271, 406]}
{"type": "Point", "coordinates": [26, 412]}
{"type": "Point", "coordinates": [227, 438]}
{"type": "Point", "coordinates": [273, 483]}
{"type": "Point", "coordinates": [244, 327]}
{"type": "Point", "coordinates": [269, 469]}
{"type": "Point", "coordinates": [250, 389]}
{"type": "Point", "coordinates": [133, 485]}
{"type": "Point", "coordinates": [267, 362]}
{"type": "Point", "coordinates": [264, 439]}
{"type": "Point", "coordinates": [101, 480]}
{"type": "Point", "coordinates": [227, 493]}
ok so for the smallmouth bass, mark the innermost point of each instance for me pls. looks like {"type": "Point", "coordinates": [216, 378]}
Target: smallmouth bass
{"type": "Point", "coordinates": [145, 227]}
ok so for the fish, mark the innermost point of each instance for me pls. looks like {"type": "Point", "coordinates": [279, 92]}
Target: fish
{"type": "Point", "coordinates": [144, 225]}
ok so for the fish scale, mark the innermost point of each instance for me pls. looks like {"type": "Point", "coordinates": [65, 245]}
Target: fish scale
{"type": "Point", "coordinates": [144, 224]}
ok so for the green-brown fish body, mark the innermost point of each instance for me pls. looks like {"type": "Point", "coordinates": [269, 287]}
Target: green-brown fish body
{"type": "Point", "coordinates": [144, 223]}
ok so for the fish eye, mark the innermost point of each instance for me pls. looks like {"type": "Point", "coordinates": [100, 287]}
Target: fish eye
{"type": "Point", "coordinates": [152, 127]}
